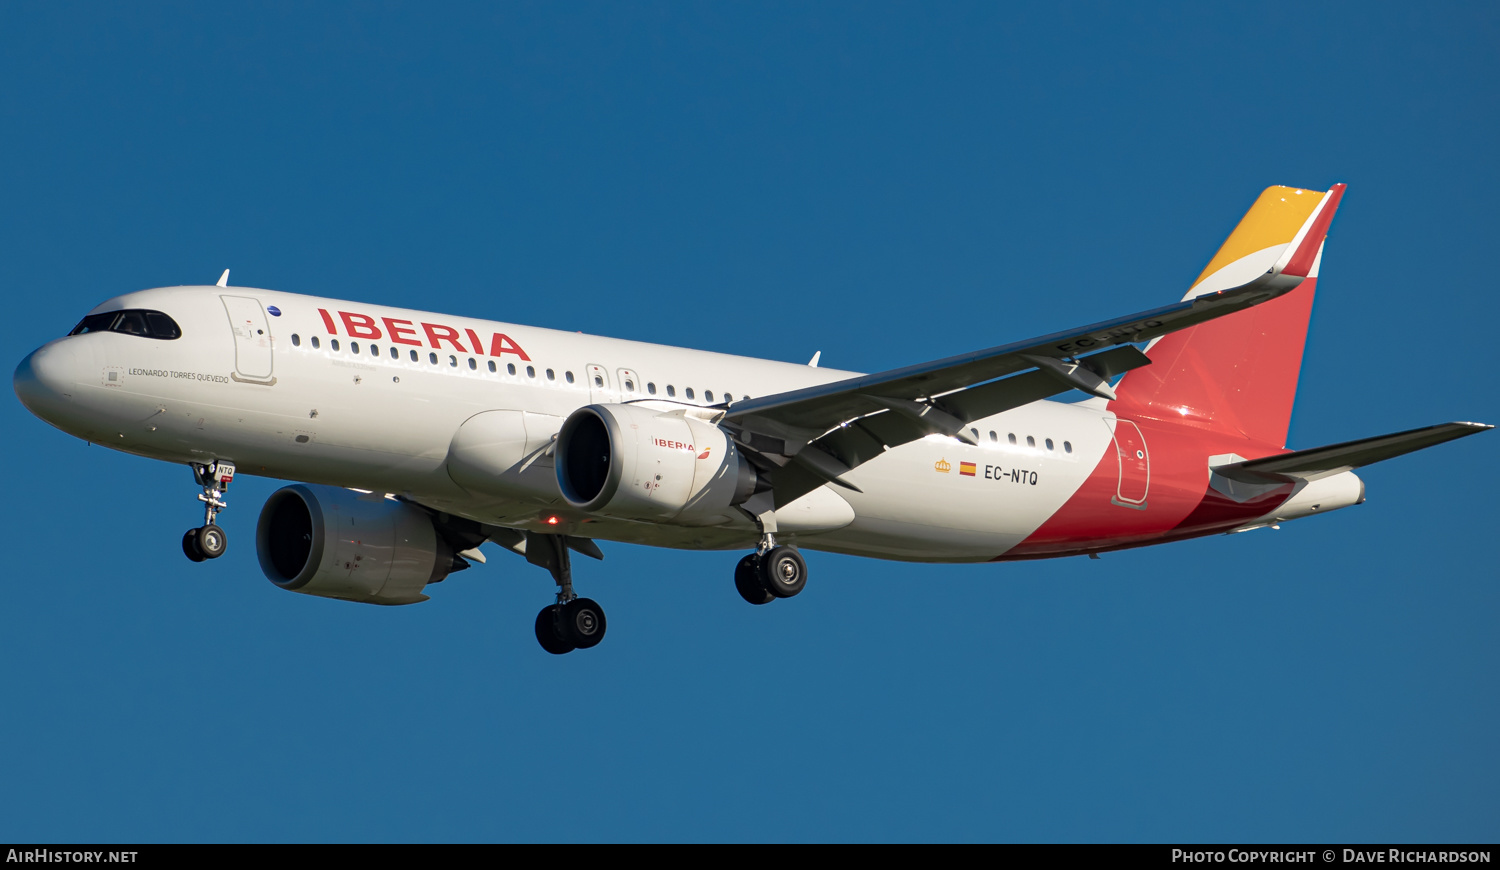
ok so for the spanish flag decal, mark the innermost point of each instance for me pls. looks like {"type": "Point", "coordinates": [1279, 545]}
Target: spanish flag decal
{"type": "Point", "coordinates": [966, 469]}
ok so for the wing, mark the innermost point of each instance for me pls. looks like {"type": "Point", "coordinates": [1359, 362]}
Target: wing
{"type": "Point", "coordinates": [805, 438]}
{"type": "Point", "coordinates": [1336, 458]}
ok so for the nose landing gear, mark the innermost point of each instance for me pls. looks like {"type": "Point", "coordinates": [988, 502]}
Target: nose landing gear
{"type": "Point", "coordinates": [209, 541]}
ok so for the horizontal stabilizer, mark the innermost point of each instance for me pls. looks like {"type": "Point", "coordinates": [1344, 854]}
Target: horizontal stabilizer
{"type": "Point", "coordinates": [1337, 458]}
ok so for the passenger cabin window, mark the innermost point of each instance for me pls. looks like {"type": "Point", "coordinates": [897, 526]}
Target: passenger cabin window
{"type": "Point", "coordinates": [492, 366]}
{"type": "Point", "coordinates": [1067, 446]}
{"type": "Point", "coordinates": [296, 340]}
{"type": "Point", "coordinates": [708, 395]}
{"type": "Point", "coordinates": [1049, 443]}
{"type": "Point", "coordinates": [511, 368]}
{"type": "Point", "coordinates": [1030, 441]}
{"type": "Point", "coordinates": [315, 342]}
{"type": "Point", "coordinates": [333, 343]}
{"type": "Point", "coordinates": [354, 347]}
{"type": "Point", "coordinates": [432, 357]}
{"type": "Point", "coordinates": [551, 376]}
{"type": "Point", "coordinates": [728, 397]}
{"type": "Point", "coordinates": [531, 371]}
{"type": "Point", "coordinates": [688, 392]}
{"type": "Point", "coordinates": [671, 391]}
{"type": "Point", "coordinates": [472, 364]}
{"type": "Point", "coordinates": [993, 437]}
{"type": "Point", "coordinates": [414, 356]}
{"type": "Point", "coordinates": [651, 387]}
{"type": "Point", "coordinates": [131, 321]}
{"type": "Point", "coordinates": [568, 376]}
{"type": "Point", "coordinates": [629, 385]}
{"type": "Point", "coordinates": [1011, 437]}
{"type": "Point", "coordinates": [395, 354]}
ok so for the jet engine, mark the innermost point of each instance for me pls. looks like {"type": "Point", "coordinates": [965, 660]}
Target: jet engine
{"type": "Point", "coordinates": [634, 463]}
{"type": "Point", "coordinates": [337, 543]}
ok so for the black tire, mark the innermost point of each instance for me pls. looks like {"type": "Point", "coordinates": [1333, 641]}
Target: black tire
{"type": "Point", "coordinates": [547, 635]}
{"type": "Point", "coordinates": [747, 582]}
{"type": "Point", "coordinates": [583, 621]}
{"type": "Point", "coordinates": [190, 545]}
{"type": "Point", "coordinates": [783, 572]}
{"type": "Point", "coordinates": [212, 541]}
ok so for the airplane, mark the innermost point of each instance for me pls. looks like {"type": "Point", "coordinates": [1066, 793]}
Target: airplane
{"type": "Point", "coordinates": [415, 437]}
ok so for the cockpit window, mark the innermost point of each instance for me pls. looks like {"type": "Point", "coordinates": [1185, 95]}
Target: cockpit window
{"type": "Point", "coordinates": [132, 321]}
{"type": "Point", "coordinates": [95, 323]}
{"type": "Point", "coordinates": [161, 326]}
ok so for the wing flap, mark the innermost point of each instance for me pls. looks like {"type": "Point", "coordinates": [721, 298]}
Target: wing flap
{"type": "Point", "coordinates": [1337, 458]}
{"type": "Point", "coordinates": [902, 421]}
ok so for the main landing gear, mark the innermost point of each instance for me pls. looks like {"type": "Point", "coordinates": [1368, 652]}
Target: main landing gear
{"type": "Point", "coordinates": [209, 541]}
{"type": "Point", "coordinates": [573, 622]}
{"type": "Point", "coordinates": [769, 573]}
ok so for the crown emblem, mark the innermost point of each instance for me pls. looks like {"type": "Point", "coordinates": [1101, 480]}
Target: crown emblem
{"type": "Point", "coordinates": [942, 466]}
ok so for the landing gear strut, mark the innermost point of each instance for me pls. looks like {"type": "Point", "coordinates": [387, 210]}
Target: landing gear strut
{"type": "Point", "coordinates": [209, 541]}
{"type": "Point", "coordinates": [573, 622]}
{"type": "Point", "coordinates": [772, 571]}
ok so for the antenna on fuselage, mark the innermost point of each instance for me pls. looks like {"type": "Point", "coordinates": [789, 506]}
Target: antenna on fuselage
{"type": "Point", "coordinates": [224, 279]}
{"type": "Point", "coordinates": [814, 361]}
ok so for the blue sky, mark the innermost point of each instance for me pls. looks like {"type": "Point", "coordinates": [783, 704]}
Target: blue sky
{"type": "Point", "coordinates": [884, 183]}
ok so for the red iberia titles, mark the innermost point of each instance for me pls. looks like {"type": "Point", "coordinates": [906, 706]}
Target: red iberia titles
{"type": "Point", "coordinates": [437, 335]}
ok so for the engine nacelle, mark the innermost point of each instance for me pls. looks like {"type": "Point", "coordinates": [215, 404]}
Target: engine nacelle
{"type": "Point", "coordinates": [335, 543]}
{"type": "Point", "coordinates": [634, 463]}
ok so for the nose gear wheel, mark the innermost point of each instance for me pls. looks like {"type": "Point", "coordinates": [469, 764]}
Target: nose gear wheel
{"type": "Point", "coordinates": [209, 541]}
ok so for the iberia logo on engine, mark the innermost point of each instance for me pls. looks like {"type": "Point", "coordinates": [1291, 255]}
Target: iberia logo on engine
{"type": "Point", "coordinates": [672, 445]}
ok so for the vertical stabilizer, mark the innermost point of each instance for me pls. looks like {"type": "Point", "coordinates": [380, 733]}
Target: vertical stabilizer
{"type": "Point", "coordinates": [1238, 374]}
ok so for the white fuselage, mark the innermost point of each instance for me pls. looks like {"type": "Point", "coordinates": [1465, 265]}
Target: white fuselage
{"type": "Point", "coordinates": [306, 394]}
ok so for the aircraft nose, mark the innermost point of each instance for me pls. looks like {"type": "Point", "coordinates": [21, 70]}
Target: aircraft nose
{"type": "Point", "coordinates": [46, 379]}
